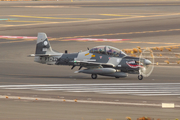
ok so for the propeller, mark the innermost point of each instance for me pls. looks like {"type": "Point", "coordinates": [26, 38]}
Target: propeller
{"type": "Point", "coordinates": [146, 61]}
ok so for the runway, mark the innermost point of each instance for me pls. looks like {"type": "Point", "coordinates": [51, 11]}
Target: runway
{"type": "Point", "coordinates": [139, 89]}
{"type": "Point", "coordinates": [77, 26]}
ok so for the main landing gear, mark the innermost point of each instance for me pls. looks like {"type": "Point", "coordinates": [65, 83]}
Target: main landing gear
{"type": "Point", "coordinates": [140, 77]}
{"type": "Point", "coordinates": [93, 76]}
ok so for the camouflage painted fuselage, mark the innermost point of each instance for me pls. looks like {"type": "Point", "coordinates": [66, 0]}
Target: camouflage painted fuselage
{"type": "Point", "coordinates": [102, 60]}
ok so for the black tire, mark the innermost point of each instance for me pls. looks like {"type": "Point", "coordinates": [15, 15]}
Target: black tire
{"type": "Point", "coordinates": [140, 77]}
{"type": "Point", "coordinates": [93, 76]}
{"type": "Point", "coordinates": [116, 77]}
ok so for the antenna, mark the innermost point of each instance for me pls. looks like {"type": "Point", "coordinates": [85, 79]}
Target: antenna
{"type": "Point", "coordinates": [66, 51]}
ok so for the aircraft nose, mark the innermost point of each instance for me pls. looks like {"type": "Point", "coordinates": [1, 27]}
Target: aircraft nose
{"type": "Point", "coordinates": [147, 62]}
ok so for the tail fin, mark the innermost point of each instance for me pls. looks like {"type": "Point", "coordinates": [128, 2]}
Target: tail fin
{"type": "Point", "coordinates": [44, 53]}
{"type": "Point", "coordinates": [43, 46]}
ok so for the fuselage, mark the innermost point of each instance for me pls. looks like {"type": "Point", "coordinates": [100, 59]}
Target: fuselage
{"type": "Point", "coordinates": [123, 63]}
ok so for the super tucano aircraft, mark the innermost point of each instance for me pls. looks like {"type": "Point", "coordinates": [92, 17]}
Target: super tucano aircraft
{"type": "Point", "coordinates": [101, 60]}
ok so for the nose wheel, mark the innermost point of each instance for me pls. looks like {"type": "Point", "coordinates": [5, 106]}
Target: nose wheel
{"type": "Point", "coordinates": [140, 77]}
{"type": "Point", "coordinates": [93, 76]}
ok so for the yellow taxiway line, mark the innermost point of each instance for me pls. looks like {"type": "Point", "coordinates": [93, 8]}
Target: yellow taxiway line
{"type": "Point", "coordinates": [113, 34]}
{"type": "Point", "coordinates": [115, 15]}
{"type": "Point", "coordinates": [43, 17]}
{"type": "Point", "coordinates": [23, 21]}
{"type": "Point", "coordinates": [85, 19]}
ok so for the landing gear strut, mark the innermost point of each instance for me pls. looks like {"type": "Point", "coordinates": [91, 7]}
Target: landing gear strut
{"type": "Point", "coordinates": [93, 76]}
{"type": "Point", "coordinates": [140, 77]}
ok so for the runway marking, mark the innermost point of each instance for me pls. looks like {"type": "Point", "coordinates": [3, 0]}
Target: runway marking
{"type": "Point", "coordinates": [88, 20]}
{"type": "Point", "coordinates": [44, 17]}
{"type": "Point", "coordinates": [95, 39]}
{"type": "Point", "coordinates": [23, 21]}
{"type": "Point", "coordinates": [12, 41]}
{"type": "Point", "coordinates": [139, 89]}
{"type": "Point", "coordinates": [53, 39]}
{"type": "Point", "coordinates": [84, 101]}
{"type": "Point", "coordinates": [111, 34]}
{"type": "Point", "coordinates": [154, 43]}
{"type": "Point", "coordinates": [115, 41]}
{"type": "Point", "coordinates": [15, 41]}
{"type": "Point", "coordinates": [48, 6]}
{"type": "Point", "coordinates": [148, 4]}
{"type": "Point", "coordinates": [19, 37]}
{"type": "Point", "coordinates": [114, 15]}
{"type": "Point", "coordinates": [8, 19]}
{"type": "Point", "coordinates": [129, 14]}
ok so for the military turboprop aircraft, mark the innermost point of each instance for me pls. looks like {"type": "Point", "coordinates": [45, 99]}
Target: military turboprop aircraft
{"type": "Point", "coordinates": [101, 60]}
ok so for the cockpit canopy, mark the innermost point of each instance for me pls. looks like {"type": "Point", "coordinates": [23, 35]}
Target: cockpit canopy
{"type": "Point", "coordinates": [108, 50]}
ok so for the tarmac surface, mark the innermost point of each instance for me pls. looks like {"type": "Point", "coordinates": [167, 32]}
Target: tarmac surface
{"type": "Point", "coordinates": [148, 24]}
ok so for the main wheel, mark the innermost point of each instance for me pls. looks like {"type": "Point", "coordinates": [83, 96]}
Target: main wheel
{"type": "Point", "coordinates": [93, 76]}
{"type": "Point", "coordinates": [140, 77]}
{"type": "Point", "coordinates": [116, 77]}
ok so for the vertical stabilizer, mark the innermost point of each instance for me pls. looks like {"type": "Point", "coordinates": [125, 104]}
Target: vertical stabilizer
{"type": "Point", "coordinates": [43, 46]}
{"type": "Point", "coordinates": [44, 53]}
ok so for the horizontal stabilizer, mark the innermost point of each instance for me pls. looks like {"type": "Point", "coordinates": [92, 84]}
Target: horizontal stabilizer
{"type": "Point", "coordinates": [31, 55]}
{"type": "Point", "coordinates": [43, 55]}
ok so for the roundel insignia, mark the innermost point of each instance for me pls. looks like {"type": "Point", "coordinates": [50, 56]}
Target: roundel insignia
{"type": "Point", "coordinates": [45, 43]}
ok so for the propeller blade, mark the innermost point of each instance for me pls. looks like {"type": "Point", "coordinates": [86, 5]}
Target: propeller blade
{"type": "Point", "coordinates": [146, 60]}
